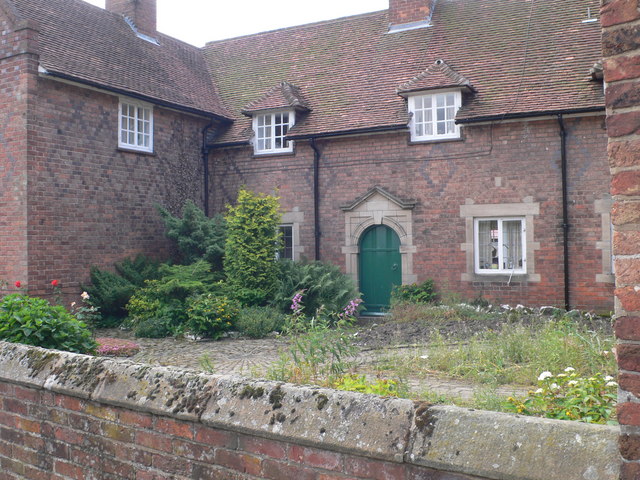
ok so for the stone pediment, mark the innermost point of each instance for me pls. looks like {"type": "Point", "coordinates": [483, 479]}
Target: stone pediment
{"type": "Point", "coordinates": [379, 195]}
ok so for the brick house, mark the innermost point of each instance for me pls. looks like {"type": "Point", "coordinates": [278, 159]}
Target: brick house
{"type": "Point", "coordinates": [460, 140]}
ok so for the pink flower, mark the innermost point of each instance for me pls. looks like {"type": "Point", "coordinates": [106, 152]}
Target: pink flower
{"type": "Point", "coordinates": [18, 284]}
{"type": "Point", "coordinates": [54, 283]}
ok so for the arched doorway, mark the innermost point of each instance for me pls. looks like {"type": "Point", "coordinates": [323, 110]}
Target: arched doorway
{"type": "Point", "coordinates": [380, 267]}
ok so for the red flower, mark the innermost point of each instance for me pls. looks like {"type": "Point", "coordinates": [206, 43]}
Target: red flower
{"type": "Point", "coordinates": [54, 283]}
{"type": "Point", "coordinates": [18, 284]}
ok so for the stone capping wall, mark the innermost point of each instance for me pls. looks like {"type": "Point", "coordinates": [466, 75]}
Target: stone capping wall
{"type": "Point", "coordinates": [76, 415]}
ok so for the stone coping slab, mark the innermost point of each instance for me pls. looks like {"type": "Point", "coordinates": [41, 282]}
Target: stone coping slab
{"type": "Point", "coordinates": [486, 444]}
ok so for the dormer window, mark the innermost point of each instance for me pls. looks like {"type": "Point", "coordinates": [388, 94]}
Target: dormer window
{"type": "Point", "coordinates": [270, 130]}
{"type": "Point", "coordinates": [433, 115]}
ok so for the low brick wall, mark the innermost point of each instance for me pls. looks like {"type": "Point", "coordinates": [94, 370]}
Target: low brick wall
{"type": "Point", "coordinates": [73, 416]}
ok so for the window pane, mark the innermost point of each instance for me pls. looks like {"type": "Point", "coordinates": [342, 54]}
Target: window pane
{"type": "Point", "coordinates": [451, 99]}
{"type": "Point", "coordinates": [440, 112]}
{"type": "Point", "coordinates": [287, 242]}
{"type": "Point", "coordinates": [451, 112]}
{"type": "Point", "coordinates": [487, 244]}
{"type": "Point", "coordinates": [442, 128]}
{"type": "Point", "coordinates": [440, 99]}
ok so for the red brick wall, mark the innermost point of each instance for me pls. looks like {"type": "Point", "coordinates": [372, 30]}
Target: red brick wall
{"type": "Point", "coordinates": [90, 203]}
{"type": "Point", "coordinates": [621, 51]}
{"type": "Point", "coordinates": [55, 436]}
{"type": "Point", "coordinates": [17, 66]}
{"type": "Point", "coordinates": [441, 176]}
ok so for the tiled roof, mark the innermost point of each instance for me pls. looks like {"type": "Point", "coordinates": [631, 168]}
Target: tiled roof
{"type": "Point", "coordinates": [521, 57]}
{"type": "Point", "coordinates": [283, 95]}
{"type": "Point", "coordinates": [89, 44]}
{"type": "Point", "coordinates": [437, 75]}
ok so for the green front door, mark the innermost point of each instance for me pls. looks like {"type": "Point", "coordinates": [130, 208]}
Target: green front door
{"type": "Point", "coordinates": [379, 267]}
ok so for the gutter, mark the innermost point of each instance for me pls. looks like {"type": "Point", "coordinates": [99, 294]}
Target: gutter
{"type": "Point", "coordinates": [137, 96]}
{"type": "Point", "coordinates": [546, 113]}
{"type": "Point", "coordinates": [355, 131]}
{"type": "Point", "coordinates": [565, 212]}
{"type": "Point", "coordinates": [316, 197]}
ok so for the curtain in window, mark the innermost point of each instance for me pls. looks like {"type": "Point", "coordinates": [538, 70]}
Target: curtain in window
{"type": "Point", "coordinates": [512, 244]}
{"type": "Point", "coordinates": [485, 247]}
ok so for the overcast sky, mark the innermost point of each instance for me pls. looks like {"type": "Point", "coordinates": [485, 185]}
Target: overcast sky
{"type": "Point", "coordinates": [200, 21]}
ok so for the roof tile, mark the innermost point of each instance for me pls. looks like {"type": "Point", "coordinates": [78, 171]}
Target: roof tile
{"type": "Point", "coordinates": [90, 44]}
{"type": "Point", "coordinates": [521, 57]}
{"type": "Point", "coordinates": [437, 75]}
{"type": "Point", "coordinates": [283, 95]}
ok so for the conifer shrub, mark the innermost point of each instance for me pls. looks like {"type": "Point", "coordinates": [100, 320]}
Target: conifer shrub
{"type": "Point", "coordinates": [111, 291]}
{"type": "Point", "coordinates": [160, 308]}
{"type": "Point", "coordinates": [197, 237]}
{"type": "Point", "coordinates": [252, 240]}
{"type": "Point", "coordinates": [34, 321]}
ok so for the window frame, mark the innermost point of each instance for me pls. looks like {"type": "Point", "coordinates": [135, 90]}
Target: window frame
{"type": "Point", "coordinates": [273, 137]}
{"type": "Point", "coordinates": [279, 255]}
{"type": "Point", "coordinates": [432, 96]}
{"type": "Point", "coordinates": [138, 107]}
{"type": "Point", "coordinates": [476, 246]}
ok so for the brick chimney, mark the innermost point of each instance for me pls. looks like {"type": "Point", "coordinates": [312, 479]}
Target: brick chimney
{"type": "Point", "coordinates": [402, 12]}
{"type": "Point", "coordinates": [141, 12]}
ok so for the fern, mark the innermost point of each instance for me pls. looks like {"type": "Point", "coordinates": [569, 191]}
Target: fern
{"type": "Point", "coordinates": [323, 284]}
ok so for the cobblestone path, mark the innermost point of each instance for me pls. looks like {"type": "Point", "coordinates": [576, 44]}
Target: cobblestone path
{"type": "Point", "coordinates": [253, 358]}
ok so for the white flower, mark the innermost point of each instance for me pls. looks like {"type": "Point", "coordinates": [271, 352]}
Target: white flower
{"type": "Point", "coordinates": [611, 384]}
{"type": "Point", "coordinates": [539, 390]}
{"type": "Point", "coordinates": [73, 304]}
{"type": "Point", "coordinates": [572, 383]}
{"type": "Point", "coordinates": [424, 357]}
{"type": "Point", "coordinates": [84, 295]}
{"type": "Point", "coordinates": [544, 375]}
{"type": "Point", "coordinates": [553, 386]}
{"type": "Point", "coordinates": [608, 378]}
{"type": "Point", "coordinates": [569, 369]}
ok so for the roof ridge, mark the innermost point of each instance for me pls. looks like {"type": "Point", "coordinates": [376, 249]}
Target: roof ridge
{"type": "Point", "coordinates": [301, 26]}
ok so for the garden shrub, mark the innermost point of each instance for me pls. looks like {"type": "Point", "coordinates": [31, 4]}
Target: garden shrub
{"type": "Point", "coordinates": [110, 292]}
{"type": "Point", "coordinates": [210, 316]}
{"type": "Point", "coordinates": [321, 284]}
{"type": "Point", "coordinates": [138, 270]}
{"type": "Point", "coordinates": [258, 322]}
{"type": "Point", "coordinates": [251, 244]}
{"type": "Point", "coordinates": [197, 236]}
{"type": "Point", "coordinates": [415, 293]}
{"type": "Point", "coordinates": [34, 321]}
{"type": "Point", "coordinates": [159, 309]}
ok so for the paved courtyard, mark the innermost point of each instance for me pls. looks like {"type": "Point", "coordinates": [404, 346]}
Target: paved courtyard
{"type": "Point", "coordinates": [254, 357]}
